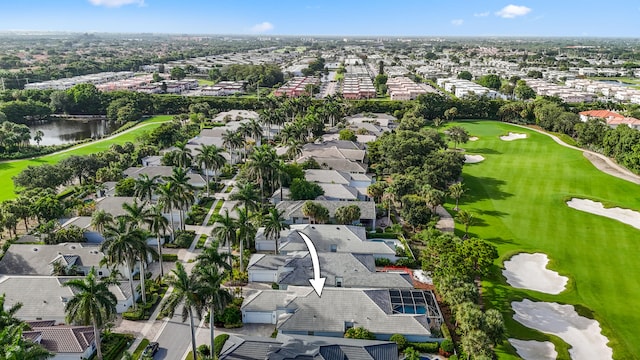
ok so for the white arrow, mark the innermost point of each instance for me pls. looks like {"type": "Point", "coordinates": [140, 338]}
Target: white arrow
{"type": "Point", "coordinates": [317, 282]}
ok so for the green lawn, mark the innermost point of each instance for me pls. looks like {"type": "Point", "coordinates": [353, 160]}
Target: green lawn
{"type": "Point", "coordinates": [518, 194]}
{"type": "Point", "coordinates": [204, 82]}
{"type": "Point", "coordinates": [8, 169]}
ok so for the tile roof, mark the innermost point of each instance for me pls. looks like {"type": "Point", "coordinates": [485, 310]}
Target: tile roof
{"type": "Point", "coordinates": [63, 339]}
{"type": "Point", "coordinates": [605, 114]}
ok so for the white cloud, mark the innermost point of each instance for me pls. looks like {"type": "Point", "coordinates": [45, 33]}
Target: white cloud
{"type": "Point", "coordinates": [262, 27]}
{"type": "Point", "coordinates": [482, 14]}
{"type": "Point", "coordinates": [116, 3]}
{"type": "Point", "coordinates": [457, 22]}
{"type": "Point", "coordinates": [512, 11]}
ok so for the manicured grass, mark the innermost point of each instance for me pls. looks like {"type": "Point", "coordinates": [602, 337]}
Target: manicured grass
{"type": "Point", "coordinates": [9, 169]}
{"type": "Point", "coordinates": [518, 195]}
{"type": "Point", "coordinates": [203, 82]}
{"type": "Point", "coordinates": [140, 348]}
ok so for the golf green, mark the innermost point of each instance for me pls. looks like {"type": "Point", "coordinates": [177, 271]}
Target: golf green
{"type": "Point", "coordinates": [518, 195]}
{"type": "Point", "coordinates": [9, 169]}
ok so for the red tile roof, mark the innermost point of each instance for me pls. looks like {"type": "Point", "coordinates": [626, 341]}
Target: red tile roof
{"type": "Point", "coordinates": [605, 114]}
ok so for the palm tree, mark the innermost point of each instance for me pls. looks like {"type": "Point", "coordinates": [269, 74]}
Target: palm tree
{"type": "Point", "coordinates": [246, 230]}
{"type": "Point", "coordinates": [209, 289]}
{"type": "Point", "coordinates": [247, 195]}
{"type": "Point", "coordinates": [13, 345]}
{"type": "Point", "coordinates": [158, 223]}
{"type": "Point", "coordinates": [232, 140]}
{"type": "Point", "coordinates": [100, 219]}
{"type": "Point", "coordinates": [169, 199]}
{"type": "Point", "coordinates": [183, 155]}
{"type": "Point", "coordinates": [185, 292]}
{"type": "Point", "coordinates": [456, 191]}
{"type": "Point", "coordinates": [466, 218]}
{"type": "Point", "coordinates": [122, 245]}
{"type": "Point", "coordinates": [209, 157]}
{"type": "Point", "coordinates": [255, 131]}
{"type": "Point", "coordinates": [260, 165]}
{"type": "Point", "coordinates": [211, 257]}
{"type": "Point", "coordinates": [184, 191]}
{"type": "Point", "coordinates": [93, 303]}
{"type": "Point", "coordinates": [145, 187]}
{"type": "Point", "coordinates": [7, 315]}
{"type": "Point", "coordinates": [274, 224]}
{"type": "Point", "coordinates": [224, 230]}
{"type": "Point", "coordinates": [136, 214]}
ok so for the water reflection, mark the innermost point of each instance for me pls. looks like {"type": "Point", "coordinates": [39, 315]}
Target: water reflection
{"type": "Point", "coordinates": [64, 131]}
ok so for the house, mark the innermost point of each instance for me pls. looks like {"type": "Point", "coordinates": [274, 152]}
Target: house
{"type": "Point", "coordinates": [339, 164]}
{"type": "Point", "coordinates": [332, 151]}
{"type": "Point", "coordinates": [612, 119]}
{"type": "Point", "coordinates": [410, 312]}
{"type": "Point", "coordinates": [44, 297]}
{"type": "Point", "coordinates": [35, 259]}
{"type": "Point", "coordinates": [292, 211]}
{"type": "Point", "coordinates": [64, 341]}
{"type": "Point", "coordinates": [339, 269]}
{"type": "Point", "coordinates": [289, 347]}
{"type": "Point", "coordinates": [340, 185]}
{"type": "Point", "coordinates": [327, 238]}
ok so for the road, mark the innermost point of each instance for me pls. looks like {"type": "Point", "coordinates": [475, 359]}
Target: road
{"type": "Point", "coordinates": [174, 338]}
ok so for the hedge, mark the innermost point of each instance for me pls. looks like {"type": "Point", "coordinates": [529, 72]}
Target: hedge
{"type": "Point", "coordinates": [425, 347]}
{"type": "Point", "coordinates": [218, 343]}
{"type": "Point", "coordinates": [169, 257]}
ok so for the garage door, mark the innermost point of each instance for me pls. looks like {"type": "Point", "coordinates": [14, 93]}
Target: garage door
{"type": "Point", "coordinates": [261, 276]}
{"type": "Point", "coordinates": [254, 317]}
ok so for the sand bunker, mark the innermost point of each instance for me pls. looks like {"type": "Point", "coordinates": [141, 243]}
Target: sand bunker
{"type": "Point", "coordinates": [584, 335]}
{"type": "Point", "coordinates": [534, 350]}
{"type": "Point", "coordinates": [529, 271]}
{"type": "Point", "coordinates": [626, 216]}
{"type": "Point", "coordinates": [473, 138]}
{"type": "Point", "coordinates": [472, 159]}
{"type": "Point", "coordinates": [513, 136]}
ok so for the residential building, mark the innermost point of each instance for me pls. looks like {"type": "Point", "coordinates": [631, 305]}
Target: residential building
{"type": "Point", "coordinates": [292, 211]}
{"type": "Point", "coordinates": [64, 341]}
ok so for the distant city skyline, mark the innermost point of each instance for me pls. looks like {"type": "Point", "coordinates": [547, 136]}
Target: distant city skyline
{"type": "Point", "coordinates": [589, 18]}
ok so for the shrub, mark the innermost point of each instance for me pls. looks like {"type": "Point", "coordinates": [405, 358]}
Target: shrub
{"type": "Point", "coordinates": [204, 349]}
{"type": "Point", "coordinates": [184, 238]}
{"type": "Point", "coordinates": [169, 257]}
{"type": "Point", "coordinates": [359, 333]}
{"type": "Point", "coordinates": [447, 346]}
{"type": "Point", "coordinates": [382, 262]}
{"type": "Point", "coordinates": [218, 343]}
{"type": "Point", "coordinates": [426, 347]}
{"type": "Point", "coordinates": [275, 286]}
{"type": "Point", "coordinates": [400, 340]}
{"type": "Point", "coordinates": [410, 263]}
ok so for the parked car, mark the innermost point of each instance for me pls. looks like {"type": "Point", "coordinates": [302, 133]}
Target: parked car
{"type": "Point", "coordinates": [150, 350]}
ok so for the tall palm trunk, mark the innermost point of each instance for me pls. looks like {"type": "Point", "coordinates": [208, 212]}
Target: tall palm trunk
{"type": "Point", "coordinates": [143, 277]}
{"type": "Point", "coordinates": [193, 335]}
{"type": "Point", "coordinates": [211, 329]}
{"type": "Point", "coordinates": [96, 336]}
{"type": "Point", "coordinates": [229, 247]}
{"type": "Point", "coordinates": [133, 290]}
{"type": "Point", "coordinates": [173, 226]}
{"type": "Point", "coordinates": [160, 255]}
{"type": "Point", "coordinates": [206, 174]}
{"type": "Point", "coordinates": [241, 257]}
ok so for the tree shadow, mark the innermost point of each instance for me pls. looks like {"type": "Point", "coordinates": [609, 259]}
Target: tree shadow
{"type": "Point", "coordinates": [487, 151]}
{"type": "Point", "coordinates": [499, 241]}
{"type": "Point", "coordinates": [482, 188]}
{"type": "Point", "coordinates": [493, 213]}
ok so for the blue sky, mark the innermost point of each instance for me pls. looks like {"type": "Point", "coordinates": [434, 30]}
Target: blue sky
{"type": "Point", "coordinates": [329, 17]}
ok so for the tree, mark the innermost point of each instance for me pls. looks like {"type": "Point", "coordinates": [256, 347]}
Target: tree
{"type": "Point", "coordinates": [465, 75]}
{"type": "Point", "coordinates": [210, 256]}
{"type": "Point", "coordinates": [126, 187]}
{"type": "Point", "coordinates": [186, 293]}
{"type": "Point", "coordinates": [209, 157]}
{"type": "Point", "coordinates": [8, 314]}
{"type": "Point", "coordinates": [100, 219]}
{"type": "Point", "coordinates": [348, 135]}
{"type": "Point", "coordinates": [274, 224]}
{"type": "Point", "coordinates": [359, 333]}
{"type": "Point", "coordinates": [122, 245]}
{"type": "Point", "coordinates": [466, 218]}
{"type": "Point", "coordinates": [303, 190]}
{"type": "Point", "coordinates": [210, 292]}
{"type": "Point", "coordinates": [456, 191]}
{"type": "Point", "coordinates": [38, 137]}
{"type": "Point", "coordinates": [145, 187]}
{"type": "Point", "coordinates": [491, 81]}
{"type": "Point", "coordinates": [184, 191]}
{"type": "Point", "coordinates": [246, 230]}
{"type": "Point", "coordinates": [224, 230]}
{"type": "Point", "coordinates": [44, 176]}
{"type": "Point", "coordinates": [451, 113]}
{"type": "Point", "coordinates": [523, 92]}
{"type": "Point", "coordinates": [93, 303]}
{"type": "Point", "coordinates": [247, 195]}
{"type": "Point", "coordinates": [169, 199]}
{"type": "Point", "coordinates": [315, 212]}
{"type": "Point", "coordinates": [458, 135]}
{"type": "Point", "coordinates": [347, 214]}
{"type": "Point", "coordinates": [14, 346]}
{"type": "Point", "coordinates": [476, 344]}
{"type": "Point", "coordinates": [158, 223]}
{"type": "Point", "coordinates": [536, 74]}
{"type": "Point", "coordinates": [493, 326]}
{"type": "Point", "coordinates": [178, 73]}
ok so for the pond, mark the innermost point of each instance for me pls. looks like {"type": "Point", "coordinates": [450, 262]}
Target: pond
{"type": "Point", "coordinates": [63, 131]}
{"type": "Point", "coordinates": [617, 82]}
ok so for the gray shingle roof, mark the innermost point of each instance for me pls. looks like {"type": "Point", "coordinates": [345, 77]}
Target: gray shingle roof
{"type": "Point", "coordinates": [333, 163]}
{"type": "Point", "coordinates": [28, 259]}
{"type": "Point", "coordinates": [299, 347]}
{"type": "Point", "coordinates": [370, 309]}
